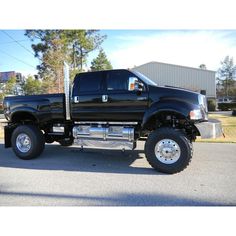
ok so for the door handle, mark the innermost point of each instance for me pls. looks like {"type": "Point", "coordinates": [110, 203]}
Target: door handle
{"type": "Point", "coordinates": [104, 98]}
{"type": "Point", "coordinates": [76, 99]}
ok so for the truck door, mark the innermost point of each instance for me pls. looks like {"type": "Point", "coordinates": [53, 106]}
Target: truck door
{"type": "Point", "coordinates": [120, 103]}
{"type": "Point", "coordinates": [87, 94]}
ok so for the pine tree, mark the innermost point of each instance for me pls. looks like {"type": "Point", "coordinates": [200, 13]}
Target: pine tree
{"type": "Point", "coordinates": [101, 62]}
{"type": "Point", "coordinates": [226, 74]}
{"type": "Point", "coordinates": [53, 47]}
{"type": "Point", "coordinates": [81, 43]}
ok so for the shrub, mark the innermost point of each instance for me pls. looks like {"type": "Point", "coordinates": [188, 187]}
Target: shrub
{"type": "Point", "coordinates": [211, 104]}
{"type": "Point", "coordinates": [226, 106]}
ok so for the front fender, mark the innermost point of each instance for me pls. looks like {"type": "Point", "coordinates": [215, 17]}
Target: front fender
{"type": "Point", "coordinates": [170, 106]}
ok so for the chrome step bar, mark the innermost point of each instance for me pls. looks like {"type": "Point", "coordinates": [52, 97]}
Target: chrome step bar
{"type": "Point", "coordinates": [107, 122]}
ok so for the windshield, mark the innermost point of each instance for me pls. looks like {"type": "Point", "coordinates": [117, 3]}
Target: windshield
{"type": "Point", "coordinates": [144, 78]}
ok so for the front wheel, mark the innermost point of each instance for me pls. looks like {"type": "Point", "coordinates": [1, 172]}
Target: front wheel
{"type": "Point", "coordinates": [27, 142]}
{"type": "Point", "coordinates": [168, 150]}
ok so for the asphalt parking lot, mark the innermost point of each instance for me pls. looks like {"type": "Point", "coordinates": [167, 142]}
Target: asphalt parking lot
{"type": "Point", "coordinates": [70, 177]}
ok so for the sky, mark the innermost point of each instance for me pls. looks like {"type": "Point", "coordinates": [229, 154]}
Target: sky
{"type": "Point", "coordinates": [129, 48]}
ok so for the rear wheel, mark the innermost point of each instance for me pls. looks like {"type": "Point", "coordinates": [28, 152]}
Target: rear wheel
{"type": "Point", "coordinates": [168, 150]}
{"type": "Point", "coordinates": [27, 142]}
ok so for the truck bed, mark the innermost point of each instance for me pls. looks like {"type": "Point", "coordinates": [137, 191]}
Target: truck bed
{"type": "Point", "coordinates": [45, 106]}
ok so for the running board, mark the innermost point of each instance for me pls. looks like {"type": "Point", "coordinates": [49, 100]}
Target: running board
{"type": "Point", "coordinates": [101, 144]}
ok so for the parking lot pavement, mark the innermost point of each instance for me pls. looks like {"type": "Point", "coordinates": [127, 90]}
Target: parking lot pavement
{"type": "Point", "coordinates": [71, 177]}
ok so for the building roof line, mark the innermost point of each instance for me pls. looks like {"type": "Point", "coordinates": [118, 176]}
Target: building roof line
{"type": "Point", "coordinates": [188, 67]}
{"type": "Point", "coordinates": [9, 71]}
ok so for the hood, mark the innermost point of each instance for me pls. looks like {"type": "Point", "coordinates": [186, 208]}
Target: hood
{"type": "Point", "coordinates": [158, 93]}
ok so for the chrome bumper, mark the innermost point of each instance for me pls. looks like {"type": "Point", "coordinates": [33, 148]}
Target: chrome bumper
{"type": "Point", "coordinates": [210, 129]}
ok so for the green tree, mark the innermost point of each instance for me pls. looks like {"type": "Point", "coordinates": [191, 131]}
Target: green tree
{"type": "Point", "coordinates": [101, 62]}
{"type": "Point", "coordinates": [32, 86]}
{"type": "Point", "coordinates": [10, 86]}
{"type": "Point", "coordinates": [52, 52]}
{"type": "Point", "coordinates": [47, 85]}
{"type": "Point", "coordinates": [81, 43]}
{"type": "Point", "coordinates": [2, 95]}
{"type": "Point", "coordinates": [73, 73]}
{"type": "Point", "coordinates": [2, 90]}
{"type": "Point", "coordinates": [53, 47]}
{"type": "Point", "coordinates": [226, 75]}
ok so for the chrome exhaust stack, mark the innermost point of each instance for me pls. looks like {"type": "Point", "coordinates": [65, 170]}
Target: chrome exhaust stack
{"type": "Point", "coordinates": [67, 89]}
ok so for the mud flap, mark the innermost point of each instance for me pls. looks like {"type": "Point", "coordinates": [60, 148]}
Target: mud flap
{"type": "Point", "coordinates": [8, 130]}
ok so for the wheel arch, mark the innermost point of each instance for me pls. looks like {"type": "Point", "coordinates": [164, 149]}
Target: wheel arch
{"type": "Point", "coordinates": [23, 115]}
{"type": "Point", "coordinates": [166, 107]}
{"type": "Point", "coordinates": [16, 118]}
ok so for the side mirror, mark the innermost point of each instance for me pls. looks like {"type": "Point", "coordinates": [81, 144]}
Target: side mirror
{"type": "Point", "coordinates": [135, 85]}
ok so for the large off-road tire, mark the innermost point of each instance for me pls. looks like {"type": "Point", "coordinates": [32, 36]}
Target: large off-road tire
{"type": "Point", "coordinates": [27, 142]}
{"type": "Point", "coordinates": [168, 150]}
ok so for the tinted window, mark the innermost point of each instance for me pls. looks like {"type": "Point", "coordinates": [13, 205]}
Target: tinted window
{"type": "Point", "coordinates": [90, 82]}
{"type": "Point", "coordinates": [118, 80]}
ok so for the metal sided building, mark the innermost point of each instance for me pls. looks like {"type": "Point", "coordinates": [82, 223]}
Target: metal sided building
{"type": "Point", "coordinates": [195, 79]}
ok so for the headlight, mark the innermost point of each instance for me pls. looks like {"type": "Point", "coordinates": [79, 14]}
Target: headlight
{"type": "Point", "coordinates": [196, 114]}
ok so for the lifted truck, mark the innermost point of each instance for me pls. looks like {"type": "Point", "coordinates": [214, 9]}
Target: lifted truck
{"type": "Point", "coordinates": [111, 109]}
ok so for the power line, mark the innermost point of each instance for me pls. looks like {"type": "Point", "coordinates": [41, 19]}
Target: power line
{"type": "Point", "coordinates": [17, 59]}
{"type": "Point", "coordinates": [17, 42]}
{"type": "Point", "coordinates": [23, 40]}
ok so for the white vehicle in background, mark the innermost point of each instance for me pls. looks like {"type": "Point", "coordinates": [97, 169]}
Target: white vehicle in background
{"type": "Point", "coordinates": [225, 100]}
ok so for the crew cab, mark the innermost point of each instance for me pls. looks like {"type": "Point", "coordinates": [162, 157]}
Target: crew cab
{"type": "Point", "coordinates": [111, 109]}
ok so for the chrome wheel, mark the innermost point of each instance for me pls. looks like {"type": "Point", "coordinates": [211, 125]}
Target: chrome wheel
{"type": "Point", "coordinates": [167, 151]}
{"type": "Point", "coordinates": [23, 142]}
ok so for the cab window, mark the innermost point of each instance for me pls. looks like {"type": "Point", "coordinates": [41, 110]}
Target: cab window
{"type": "Point", "coordinates": [90, 82]}
{"type": "Point", "coordinates": [118, 80]}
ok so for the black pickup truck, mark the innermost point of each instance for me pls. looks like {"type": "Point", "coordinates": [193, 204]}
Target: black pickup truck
{"type": "Point", "coordinates": [111, 109]}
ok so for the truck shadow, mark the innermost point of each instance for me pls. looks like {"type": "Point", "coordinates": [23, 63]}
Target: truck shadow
{"type": "Point", "coordinates": [120, 199]}
{"type": "Point", "coordinates": [72, 158]}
